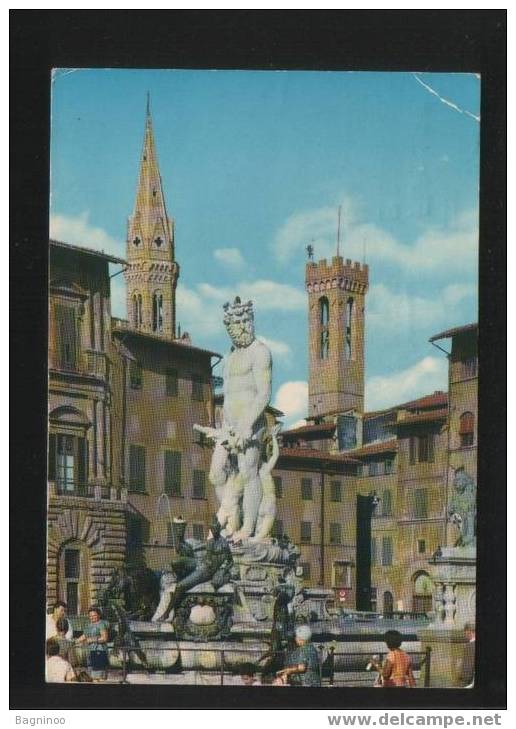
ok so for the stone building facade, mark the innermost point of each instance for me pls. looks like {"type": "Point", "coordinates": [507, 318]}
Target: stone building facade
{"type": "Point", "coordinates": [86, 504]}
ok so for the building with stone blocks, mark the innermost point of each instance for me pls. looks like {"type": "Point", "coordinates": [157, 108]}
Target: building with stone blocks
{"type": "Point", "coordinates": [86, 505]}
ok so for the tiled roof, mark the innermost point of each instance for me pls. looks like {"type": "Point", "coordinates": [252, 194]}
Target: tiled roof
{"type": "Point", "coordinates": [123, 332]}
{"type": "Point", "coordinates": [87, 251]}
{"type": "Point", "coordinates": [304, 429]}
{"type": "Point", "coordinates": [436, 399]}
{"type": "Point", "coordinates": [454, 331]}
{"type": "Point", "coordinates": [428, 417]}
{"type": "Point", "coordinates": [315, 454]}
{"type": "Point", "coordinates": [372, 449]}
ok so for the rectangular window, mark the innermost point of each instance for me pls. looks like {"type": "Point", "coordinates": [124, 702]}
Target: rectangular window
{"type": "Point", "coordinates": [426, 448]}
{"type": "Point", "coordinates": [469, 367]}
{"type": "Point", "coordinates": [198, 532]}
{"type": "Point", "coordinates": [335, 491]}
{"type": "Point", "coordinates": [335, 533]}
{"type": "Point", "coordinates": [421, 546]}
{"type": "Point", "coordinates": [199, 484]}
{"type": "Point", "coordinates": [360, 469]}
{"type": "Point", "coordinates": [197, 388]}
{"type": "Point", "coordinates": [70, 463]}
{"type": "Point", "coordinates": [72, 564]}
{"type": "Point", "coordinates": [278, 487]}
{"type": "Point", "coordinates": [135, 375]}
{"type": "Point", "coordinates": [137, 468]}
{"type": "Point", "coordinates": [466, 439]}
{"type": "Point", "coordinates": [277, 528]}
{"type": "Point", "coordinates": [420, 503]}
{"type": "Point", "coordinates": [373, 551]}
{"type": "Point", "coordinates": [306, 532]}
{"type": "Point", "coordinates": [173, 473]}
{"type": "Point", "coordinates": [306, 489]}
{"type": "Point", "coordinates": [171, 382]}
{"type": "Point", "coordinates": [374, 598]}
{"type": "Point", "coordinates": [389, 466]}
{"type": "Point", "coordinates": [66, 330]}
{"type": "Point", "coordinates": [386, 551]}
{"type": "Point", "coordinates": [307, 570]}
{"type": "Point", "coordinates": [373, 468]}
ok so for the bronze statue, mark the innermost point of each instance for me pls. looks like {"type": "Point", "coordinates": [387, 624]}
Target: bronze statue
{"type": "Point", "coordinates": [213, 566]}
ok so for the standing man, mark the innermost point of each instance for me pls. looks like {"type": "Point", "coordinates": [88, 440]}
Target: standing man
{"type": "Point", "coordinates": [247, 392]}
{"type": "Point", "coordinates": [467, 669]}
{"type": "Point", "coordinates": [58, 612]}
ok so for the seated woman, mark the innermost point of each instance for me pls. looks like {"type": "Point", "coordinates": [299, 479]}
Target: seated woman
{"type": "Point", "coordinates": [96, 637]}
{"type": "Point", "coordinates": [58, 670]}
{"type": "Point", "coordinates": [303, 668]}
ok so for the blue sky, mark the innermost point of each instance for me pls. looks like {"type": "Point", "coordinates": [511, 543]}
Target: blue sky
{"type": "Point", "coordinates": [254, 167]}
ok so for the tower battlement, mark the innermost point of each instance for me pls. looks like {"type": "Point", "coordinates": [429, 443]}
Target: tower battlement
{"type": "Point", "coordinates": [343, 274]}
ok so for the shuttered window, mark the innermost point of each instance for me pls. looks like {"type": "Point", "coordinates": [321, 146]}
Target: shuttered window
{"type": "Point", "coordinates": [68, 463]}
{"type": "Point", "coordinates": [387, 503]}
{"type": "Point", "coordinates": [137, 468]}
{"type": "Point", "coordinates": [386, 551]}
{"type": "Point", "coordinates": [426, 448]}
{"type": "Point", "coordinates": [336, 491]}
{"type": "Point", "coordinates": [173, 473]}
{"type": "Point", "coordinates": [306, 532]}
{"type": "Point", "coordinates": [306, 489]}
{"type": "Point", "coordinates": [420, 504]}
{"type": "Point", "coordinates": [467, 429]}
{"type": "Point", "coordinates": [198, 531]}
{"type": "Point", "coordinates": [199, 484]}
{"type": "Point", "coordinates": [335, 533]}
{"type": "Point", "coordinates": [66, 335]}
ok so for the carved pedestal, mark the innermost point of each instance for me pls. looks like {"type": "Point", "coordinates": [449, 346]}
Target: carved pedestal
{"type": "Point", "coordinates": [454, 576]}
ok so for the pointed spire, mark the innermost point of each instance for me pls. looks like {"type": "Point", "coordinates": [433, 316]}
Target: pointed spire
{"type": "Point", "coordinates": [149, 221]}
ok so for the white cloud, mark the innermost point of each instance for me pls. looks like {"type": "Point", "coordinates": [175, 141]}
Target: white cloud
{"type": "Point", "coordinates": [292, 399]}
{"type": "Point", "coordinates": [453, 248]}
{"type": "Point", "coordinates": [195, 315]}
{"type": "Point", "coordinates": [77, 230]}
{"type": "Point", "coordinates": [265, 294]}
{"type": "Point", "coordinates": [426, 376]}
{"type": "Point", "coordinates": [392, 311]}
{"type": "Point", "coordinates": [279, 349]}
{"type": "Point", "coordinates": [231, 257]}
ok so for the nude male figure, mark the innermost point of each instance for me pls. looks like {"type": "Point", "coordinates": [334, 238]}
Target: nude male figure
{"type": "Point", "coordinates": [247, 391]}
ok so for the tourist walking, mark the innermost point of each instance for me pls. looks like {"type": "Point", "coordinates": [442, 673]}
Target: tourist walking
{"type": "Point", "coordinates": [302, 663]}
{"type": "Point", "coordinates": [96, 636]}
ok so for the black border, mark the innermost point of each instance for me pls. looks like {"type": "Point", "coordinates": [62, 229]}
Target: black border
{"type": "Point", "coordinates": [438, 40]}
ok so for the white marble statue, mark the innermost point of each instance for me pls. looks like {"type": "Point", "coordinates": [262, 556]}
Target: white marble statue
{"type": "Point", "coordinates": [237, 466]}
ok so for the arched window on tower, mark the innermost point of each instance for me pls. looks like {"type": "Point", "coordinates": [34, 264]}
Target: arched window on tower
{"type": "Point", "coordinates": [324, 318]}
{"type": "Point", "coordinates": [349, 332]}
{"type": "Point", "coordinates": [157, 312]}
{"type": "Point", "coordinates": [139, 321]}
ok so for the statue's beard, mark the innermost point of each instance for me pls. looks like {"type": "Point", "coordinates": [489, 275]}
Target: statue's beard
{"type": "Point", "coordinates": [239, 337]}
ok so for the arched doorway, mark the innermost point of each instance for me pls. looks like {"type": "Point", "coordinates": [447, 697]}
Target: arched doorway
{"type": "Point", "coordinates": [423, 589]}
{"type": "Point", "coordinates": [73, 577]}
{"type": "Point", "coordinates": [388, 603]}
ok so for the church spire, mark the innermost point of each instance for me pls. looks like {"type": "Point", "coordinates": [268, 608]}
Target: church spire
{"type": "Point", "coordinates": [149, 221]}
{"type": "Point", "coordinates": [152, 271]}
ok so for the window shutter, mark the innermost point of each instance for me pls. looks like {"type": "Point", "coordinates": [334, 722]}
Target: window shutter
{"type": "Point", "coordinates": [137, 468]}
{"type": "Point", "coordinates": [173, 473]}
{"type": "Point", "coordinates": [467, 423]}
{"type": "Point", "coordinates": [67, 335]}
{"type": "Point", "coordinates": [52, 457]}
{"type": "Point", "coordinates": [420, 504]}
{"type": "Point", "coordinates": [199, 484]}
{"type": "Point", "coordinates": [82, 461]}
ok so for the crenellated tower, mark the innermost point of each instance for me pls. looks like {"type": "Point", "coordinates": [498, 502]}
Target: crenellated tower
{"type": "Point", "coordinates": [152, 273]}
{"type": "Point", "coordinates": [336, 316]}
